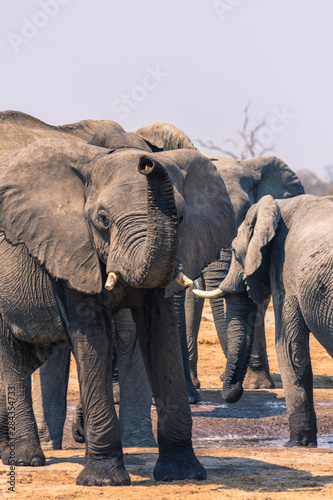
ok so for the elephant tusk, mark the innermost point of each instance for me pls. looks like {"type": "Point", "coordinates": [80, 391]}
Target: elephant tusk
{"type": "Point", "coordinates": [183, 280]}
{"type": "Point", "coordinates": [111, 281]}
{"type": "Point", "coordinates": [211, 294]}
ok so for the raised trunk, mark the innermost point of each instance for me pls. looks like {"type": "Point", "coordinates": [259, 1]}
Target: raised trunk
{"type": "Point", "coordinates": [241, 315]}
{"type": "Point", "coordinates": [156, 254]}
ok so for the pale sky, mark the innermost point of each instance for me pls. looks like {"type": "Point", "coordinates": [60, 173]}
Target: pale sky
{"type": "Point", "coordinates": [192, 63]}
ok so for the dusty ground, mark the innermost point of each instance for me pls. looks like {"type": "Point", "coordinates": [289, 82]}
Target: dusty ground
{"type": "Point", "coordinates": [240, 445]}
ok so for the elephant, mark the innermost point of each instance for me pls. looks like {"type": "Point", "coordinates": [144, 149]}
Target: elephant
{"type": "Point", "coordinates": [283, 248]}
{"type": "Point", "coordinates": [50, 382]}
{"type": "Point", "coordinates": [246, 182]}
{"type": "Point", "coordinates": [18, 130]}
{"type": "Point", "coordinates": [74, 217]}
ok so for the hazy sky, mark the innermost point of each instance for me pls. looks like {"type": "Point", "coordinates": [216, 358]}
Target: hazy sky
{"type": "Point", "coordinates": [193, 63]}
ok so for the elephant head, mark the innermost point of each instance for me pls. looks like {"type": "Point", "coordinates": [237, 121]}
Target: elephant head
{"type": "Point", "coordinates": [249, 180]}
{"type": "Point", "coordinates": [80, 209]}
{"type": "Point", "coordinates": [18, 130]}
{"type": "Point", "coordinates": [245, 287]}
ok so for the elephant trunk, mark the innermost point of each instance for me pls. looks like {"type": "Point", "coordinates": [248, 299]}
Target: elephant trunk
{"type": "Point", "coordinates": [154, 257]}
{"type": "Point", "coordinates": [241, 315]}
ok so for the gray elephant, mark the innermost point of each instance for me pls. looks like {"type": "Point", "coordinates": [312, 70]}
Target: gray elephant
{"type": "Point", "coordinates": [283, 247]}
{"type": "Point", "coordinates": [75, 216]}
{"type": "Point", "coordinates": [246, 182]}
{"type": "Point", "coordinates": [18, 130]}
{"type": "Point", "coordinates": [50, 381]}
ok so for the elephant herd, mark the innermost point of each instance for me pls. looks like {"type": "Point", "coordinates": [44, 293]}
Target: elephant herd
{"type": "Point", "coordinates": [110, 241]}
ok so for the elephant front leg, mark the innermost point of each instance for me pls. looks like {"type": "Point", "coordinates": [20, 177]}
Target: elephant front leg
{"type": "Point", "coordinates": [160, 346]}
{"type": "Point", "coordinates": [292, 347]}
{"type": "Point", "coordinates": [89, 328]}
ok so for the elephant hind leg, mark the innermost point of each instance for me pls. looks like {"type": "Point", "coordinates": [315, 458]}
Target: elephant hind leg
{"type": "Point", "coordinates": [17, 362]}
{"type": "Point", "coordinates": [292, 347]}
{"type": "Point", "coordinates": [4, 436]}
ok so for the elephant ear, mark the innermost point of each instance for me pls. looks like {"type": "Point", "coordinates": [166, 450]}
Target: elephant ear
{"type": "Point", "coordinates": [42, 206]}
{"type": "Point", "coordinates": [208, 220]}
{"type": "Point", "coordinates": [274, 178]}
{"type": "Point", "coordinates": [165, 137]}
{"type": "Point", "coordinates": [257, 230]}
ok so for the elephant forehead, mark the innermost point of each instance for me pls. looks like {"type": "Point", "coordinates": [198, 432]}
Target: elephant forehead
{"type": "Point", "coordinates": [117, 165]}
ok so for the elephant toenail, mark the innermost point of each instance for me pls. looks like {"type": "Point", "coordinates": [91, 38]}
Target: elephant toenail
{"type": "Point", "coordinates": [37, 461]}
{"type": "Point", "coordinates": [89, 481]}
{"type": "Point", "coordinates": [107, 482]}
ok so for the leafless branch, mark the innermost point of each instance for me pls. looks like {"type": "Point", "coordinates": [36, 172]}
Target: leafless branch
{"type": "Point", "coordinates": [250, 144]}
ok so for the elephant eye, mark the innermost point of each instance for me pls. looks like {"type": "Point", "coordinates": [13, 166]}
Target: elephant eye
{"type": "Point", "coordinates": [181, 218]}
{"type": "Point", "coordinates": [103, 220]}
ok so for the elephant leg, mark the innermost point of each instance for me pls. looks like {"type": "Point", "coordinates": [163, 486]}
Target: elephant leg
{"type": "Point", "coordinates": [4, 436]}
{"type": "Point", "coordinates": [86, 322]}
{"type": "Point", "coordinates": [160, 346]}
{"type": "Point", "coordinates": [292, 347]}
{"type": "Point", "coordinates": [193, 313]}
{"type": "Point", "coordinates": [135, 392]}
{"type": "Point", "coordinates": [257, 375]}
{"type": "Point", "coordinates": [49, 391]}
{"type": "Point", "coordinates": [179, 301]}
{"type": "Point", "coordinates": [17, 362]}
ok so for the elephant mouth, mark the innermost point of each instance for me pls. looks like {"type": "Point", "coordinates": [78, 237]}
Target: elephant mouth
{"type": "Point", "coordinates": [180, 278]}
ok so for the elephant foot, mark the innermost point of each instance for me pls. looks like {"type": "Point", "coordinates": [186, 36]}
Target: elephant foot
{"type": "Point", "coordinates": [258, 379]}
{"type": "Point", "coordinates": [104, 472]}
{"type": "Point", "coordinates": [195, 380]}
{"type": "Point", "coordinates": [177, 462]}
{"type": "Point", "coordinates": [24, 452]}
{"type": "Point", "coordinates": [304, 441]}
{"type": "Point", "coordinates": [299, 436]}
{"type": "Point", "coordinates": [192, 393]}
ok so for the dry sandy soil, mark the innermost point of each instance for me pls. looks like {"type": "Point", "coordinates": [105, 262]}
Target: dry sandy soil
{"type": "Point", "coordinates": [240, 445]}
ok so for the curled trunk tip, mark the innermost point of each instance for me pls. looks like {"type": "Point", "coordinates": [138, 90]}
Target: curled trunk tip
{"type": "Point", "coordinates": [232, 393]}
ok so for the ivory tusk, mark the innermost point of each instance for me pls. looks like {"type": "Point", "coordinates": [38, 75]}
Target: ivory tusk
{"type": "Point", "coordinates": [111, 281]}
{"type": "Point", "coordinates": [183, 280]}
{"type": "Point", "coordinates": [211, 294]}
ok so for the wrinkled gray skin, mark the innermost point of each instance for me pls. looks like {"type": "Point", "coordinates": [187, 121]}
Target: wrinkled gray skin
{"type": "Point", "coordinates": [71, 213]}
{"type": "Point", "coordinates": [246, 182]}
{"type": "Point", "coordinates": [284, 247]}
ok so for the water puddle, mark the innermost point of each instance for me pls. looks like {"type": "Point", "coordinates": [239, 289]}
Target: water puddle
{"type": "Point", "coordinates": [237, 441]}
{"type": "Point", "coordinates": [276, 404]}
{"type": "Point", "coordinates": [212, 405]}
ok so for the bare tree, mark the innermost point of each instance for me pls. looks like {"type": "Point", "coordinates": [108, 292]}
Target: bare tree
{"type": "Point", "coordinates": [248, 146]}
